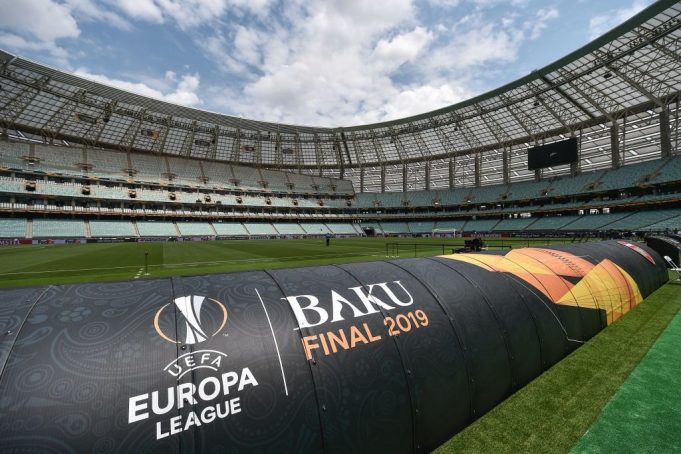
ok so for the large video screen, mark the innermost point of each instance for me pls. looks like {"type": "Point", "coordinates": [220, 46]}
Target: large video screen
{"type": "Point", "coordinates": [553, 154]}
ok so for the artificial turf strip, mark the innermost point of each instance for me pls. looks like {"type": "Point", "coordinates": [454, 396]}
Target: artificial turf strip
{"type": "Point", "coordinates": [645, 414]}
{"type": "Point", "coordinates": [553, 412]}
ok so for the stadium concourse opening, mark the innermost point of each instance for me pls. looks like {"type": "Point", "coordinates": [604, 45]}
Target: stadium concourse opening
{"type": "Point", "coordinates": [179, 280]}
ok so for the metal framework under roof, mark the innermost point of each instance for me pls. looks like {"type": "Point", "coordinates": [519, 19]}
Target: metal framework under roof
{"type": "Point", "coordinates": [619, 94]}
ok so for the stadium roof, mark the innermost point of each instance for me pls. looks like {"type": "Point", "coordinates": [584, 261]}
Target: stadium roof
{"type": "Point", "coordinates": [634, 68]}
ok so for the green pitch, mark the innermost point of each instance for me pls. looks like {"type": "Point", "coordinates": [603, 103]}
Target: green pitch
{"type": "Point", "coordinates": [553, 412]}
{"type": "Point", "coordinates": [72, 263]}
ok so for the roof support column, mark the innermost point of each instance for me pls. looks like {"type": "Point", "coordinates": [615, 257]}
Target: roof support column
{"type": "Point", "coordinates": [478, 170]}
{"type": "Point", "coordinates": [676, 126]}
{"type": "Point", "coordinates": [427, 175]}
{"type": "Point", "coordinates": [361, 179]}
{"type": "Point", "coordinates": [615, 145]}
{"type": "Point", "coordinates": [506, 169]}
{"type": "Point", "coordinates": [575, 166]}
{"type": "Point", "coordinates": [452, 168]}
{"type": "Point", "coordinates": [665, 137]}
{"type": "Point", "coordinates": [404, 177]}
{"type": "Point", "coordinates": [382, 178]}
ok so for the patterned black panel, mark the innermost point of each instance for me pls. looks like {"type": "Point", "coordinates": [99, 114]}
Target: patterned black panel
{"type": "Point", "coordinates": [277, 408]}
{"type": "Point", "coordinates": [82, 353]}
{"type": "Point", "coordinates": [361, 382]}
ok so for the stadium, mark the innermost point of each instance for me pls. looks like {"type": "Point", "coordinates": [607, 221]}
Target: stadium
{"type": "Point", "coordinates": [544, 214]}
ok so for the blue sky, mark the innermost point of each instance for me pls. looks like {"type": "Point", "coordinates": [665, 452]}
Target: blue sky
{"type": "Point", "coordinates": [323, 63]}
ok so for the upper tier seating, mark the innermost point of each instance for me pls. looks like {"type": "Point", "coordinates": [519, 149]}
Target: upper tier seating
{"type": "Point", "coordinates": [63, 160]}
{"type": "Point", "coordinates": [526, 190]}
{"type": "Point", "coordinates": [391, 199]}
{"type": "Point", "coordinates": [629, 175]}
{"type": "Point", "coordinates": [107, 164]}
{"type": "Point", "coordinates": [578, 184]}
{"type": "Point", "coordinates": [218, 173]}
{"type": "Point", "coordinates": [248, 177]}
{"type": "Point", "coordinates": [148, 167]}
{"type": "Point", "coordinates": [11, 154]}
{"type": "Point", "coordinates": [670, 170]}
{"type": "Point", "coordinates": [366, 200]}
{"type": "Point", "coordinates": [185, 171]}
{"type": "Point", "coordinates": [487, 194]}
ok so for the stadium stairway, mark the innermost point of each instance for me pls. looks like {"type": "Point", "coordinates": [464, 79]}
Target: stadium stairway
{"type": "Point", "coordinates": [210, 224]}
{"type": "Point", "coordinates": [137, 231]}
{"type": "Point", "coordinates": [29, 229]}
{"type": "Point", "coordinates": [275, 229]}
{"type": "Point", "coordinates": [88, 232]}
{"type": "Point", "coordinates": [615, 221]}
{"type": "Point", "coordinates": [177, 229]}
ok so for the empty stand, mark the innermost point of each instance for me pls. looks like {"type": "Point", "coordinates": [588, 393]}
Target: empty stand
{"type": "Point", "coordinates": [394, 227]}
{"type": "Point", "coordinates": [551, 222]}
{"type": "Point", "coordinates": [156, 229]}
{"type": "Point", "coordinates": [230, 228]}
{"type": "Point", "coordinates": [480, 225]}
{"type": "Point", "coordinates": [62, 160]}
{"type": "Point", "coordinates": [58, 228]}
{"type": "Point", "coordinates": [260, 228]}
{"type": "Point", "coordinates": [513, 225]}
{"type": "Point", "coordinates": [13, 228]}
{"type": "Point", "coordinates": [316, 228]}
{"type": "Point", "coordinates": [111, 229]}
{"type": "Point", "coordinates": [107, 164]}
{"type": "Point", "coordinates": [289, 228]}
{"type": "Point", "coordinates": [195, 229]}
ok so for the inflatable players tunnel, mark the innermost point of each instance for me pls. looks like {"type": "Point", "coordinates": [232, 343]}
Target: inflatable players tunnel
{"type": "Point", "coordinates": [393, 356]}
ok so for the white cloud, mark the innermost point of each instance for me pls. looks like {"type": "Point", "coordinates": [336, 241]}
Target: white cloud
{"type": "Point", "coordinates": [12, 41]}
{"type": "Point", "coordinates": [402, 48]}
{"type": "Point", "coordinates": [185, 92]}
{"type": "Point", "coordinates": [355, 62]}
{"type": "Point", "coordinates": [247, 43]}
{"type": "Point", "coordinates": [45, 20]}
{"type": "Point", "coordinates": [141, 9]}
{"type": "Point", "coordinates": [189, 13]}
{"type": "Point", "coordinates": [541, 22]}
{"type": "Point", "coordinates": [478, 44]}
{"type": "Point", "coordinates": [90, 10]}
{"type": "Point", "coordinates": [36, 26]}
{"type": "Point", "coordinates": [598, 25]}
